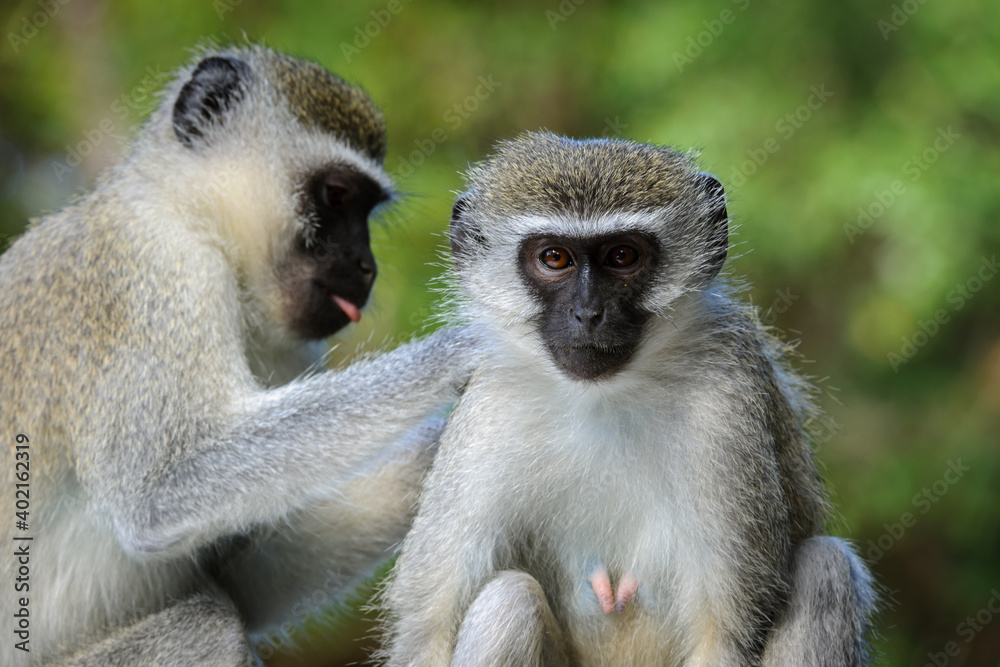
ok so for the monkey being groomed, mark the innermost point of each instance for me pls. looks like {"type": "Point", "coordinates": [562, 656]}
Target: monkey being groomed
{"type": "Point", "coordinates": [627, 479]}
{"type": "Point", "coordinates": [196, 480]}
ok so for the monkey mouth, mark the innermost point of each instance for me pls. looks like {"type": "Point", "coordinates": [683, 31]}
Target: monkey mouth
{"type": "Point", "coordinates": [592, 361]}
{"type": "Point", "coordinates": [353, 312]}
{"type": "Point", "coordinates": [327, 293]}
{"type": "Point", "coordinates": [597, 352]}
{"type": "Point", "coordinates": [596, 348]}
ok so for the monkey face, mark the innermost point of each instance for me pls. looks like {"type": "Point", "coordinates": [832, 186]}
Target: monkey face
{"type": "Point", "coordinates": [331, 271]}
{"type": "Point", "coordinates": [590, 290]}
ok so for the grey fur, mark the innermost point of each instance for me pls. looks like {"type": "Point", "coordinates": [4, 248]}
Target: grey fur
{"type": "Point", "coordinates": [825, 621]}
{"type": "Point", "coordinates": [689, 470]}
{"type": "Point", "coordinates": [202, 630]}
{"type": "Point", "coordinates": [510, 624]}
{"type": "Point", "coordinates": [174, 495]}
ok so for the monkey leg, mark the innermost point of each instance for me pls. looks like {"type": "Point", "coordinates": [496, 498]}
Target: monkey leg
{"type": "Point", "coordinates": [510, 624]}
{"type": "Point", "coordinates": [826, 620]}
{"type": "Point", "coordinates": [200, 630]}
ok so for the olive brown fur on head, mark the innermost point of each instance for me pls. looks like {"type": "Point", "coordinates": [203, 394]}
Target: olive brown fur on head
{"type": "Point", "coordinates": [323, 99]}
{"type": "Point", "coordinates": [541, 173]}
{"type": "Point", "coordinates": [313, 96]}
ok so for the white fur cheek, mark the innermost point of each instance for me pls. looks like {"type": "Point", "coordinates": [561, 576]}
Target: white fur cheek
{"type": "Point", "coordinates": [496, 293]}
{"type": "Point", "coordinates": [247, 204]}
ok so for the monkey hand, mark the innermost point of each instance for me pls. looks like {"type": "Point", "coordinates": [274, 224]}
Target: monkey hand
{"type": "Point", "coordinates": [606, 596]}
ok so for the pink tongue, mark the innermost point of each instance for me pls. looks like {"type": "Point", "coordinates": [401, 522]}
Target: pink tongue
{"type": "Point", "coordinates": [349, 308]}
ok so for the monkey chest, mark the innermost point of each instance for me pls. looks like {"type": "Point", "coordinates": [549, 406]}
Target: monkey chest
{"type": "Point", "coordinates": [630, 515]}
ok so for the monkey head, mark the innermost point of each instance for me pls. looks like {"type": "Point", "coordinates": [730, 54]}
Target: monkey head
{"type": "Point", "coordinates": [601, 235]}
{"type": "Point", "coordinates": [280, 163]}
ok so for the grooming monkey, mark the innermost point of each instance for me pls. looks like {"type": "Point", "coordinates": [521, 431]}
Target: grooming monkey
{"type": "Point", "coordinates": [190, 482]}
{"type": "Point", "coordinates": [627, 478]}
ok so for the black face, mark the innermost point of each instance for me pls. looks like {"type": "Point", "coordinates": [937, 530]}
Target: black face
{"type": "Point", "coordinates": [332, 269]}
{"type": "Point", "coordinates": [591, 289]}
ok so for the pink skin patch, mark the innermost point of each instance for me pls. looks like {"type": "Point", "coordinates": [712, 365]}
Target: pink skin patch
{"type": "Point", "coordinates": [626, 590]}
{"type": "Point", "coordinates": [349, 308]}
{"type": "Point", "coordinates": [609, 600]}
{"type": "Point", "coordinates": [601, 584]}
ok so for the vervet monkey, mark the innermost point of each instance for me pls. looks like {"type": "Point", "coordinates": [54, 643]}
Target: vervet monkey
{"type": "Point", "coordinates": [191, 484]}
{"type": "Point", "coordinates": [627, 479]}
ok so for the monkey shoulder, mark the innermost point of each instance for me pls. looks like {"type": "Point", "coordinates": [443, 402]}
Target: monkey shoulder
{"type": "Point", "coordinates": [765, 407]}
{"type": "Point", "coordinates": [735, 352]}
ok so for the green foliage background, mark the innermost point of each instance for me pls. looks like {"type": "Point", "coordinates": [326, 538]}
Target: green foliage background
{"type": "Point", "coordinates": [898, 308]}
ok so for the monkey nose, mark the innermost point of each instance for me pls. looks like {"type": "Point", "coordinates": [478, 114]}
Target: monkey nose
{"type": "Point", "coordinates": [588, 317]}
{"type": "Point", "coordinates": [367, 269]}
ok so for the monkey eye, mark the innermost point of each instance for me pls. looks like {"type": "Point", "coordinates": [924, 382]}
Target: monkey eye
{"type": "Point", "coordinates": [556, 258]}
{"type": "Point", "coordinates": [333, 194]}
{"type": "Point", "coordinates": [621, 256]}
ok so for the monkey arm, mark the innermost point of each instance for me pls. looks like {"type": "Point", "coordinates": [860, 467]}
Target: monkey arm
{"type": "Point", "coordinates": [329, 546]}
{"type": "Point", "coordinates": [435, 581]}
{"type": "Point", "coordinates": [450, 553]}
{"type": "Point", "coordinates": [280, 449]}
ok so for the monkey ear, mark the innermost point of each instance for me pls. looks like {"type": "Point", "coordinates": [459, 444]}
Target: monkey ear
{"type": "Point", "coordinates": [464, 234]}
{"type": "Point", "coordinates": [215, 86]}
{"type": "Point", "coordinates": [716, 222]}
